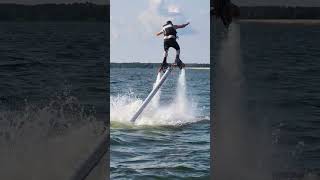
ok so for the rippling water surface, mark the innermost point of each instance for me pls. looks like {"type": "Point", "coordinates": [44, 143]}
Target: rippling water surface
{"type": "Point", "coordinates": [280, 69]}
{"type": "Point", "coordinates": [171, 139]}
{"type": "Point", "coordinates": [52, 82]}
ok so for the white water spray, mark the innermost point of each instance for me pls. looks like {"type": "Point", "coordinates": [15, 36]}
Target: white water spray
{"type": "Point", "coordinates": [181, 97]}
{"type": "Point", "coordinates": [241, 153]}
{"type": "Point", "coordinates": [229, 121]}
{"type": "Point", "coordinates": [61, 132]}
{"type": "Point", "coordinates": [177, 112]}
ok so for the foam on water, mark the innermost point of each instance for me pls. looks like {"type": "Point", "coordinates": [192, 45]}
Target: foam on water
{"type": "Point", "coordinates": [180, 111]}
{"type": "Point", "coordinates": [61, 132]}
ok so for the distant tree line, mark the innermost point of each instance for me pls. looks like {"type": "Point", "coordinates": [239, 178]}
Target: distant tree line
{"type": "Point", "coordinates": [279, 12]}
{"type": "Point", "coordinates": [149, 65]}
{"type": "Point", "coordinates": [54, 12]}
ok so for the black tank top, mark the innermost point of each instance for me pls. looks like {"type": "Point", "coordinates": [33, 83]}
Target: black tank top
{"type": "Point", "coordinates": [169, 31]}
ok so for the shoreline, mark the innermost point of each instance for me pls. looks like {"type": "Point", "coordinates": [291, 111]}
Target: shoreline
{"type": "Point", "coordinates": [282, 21]}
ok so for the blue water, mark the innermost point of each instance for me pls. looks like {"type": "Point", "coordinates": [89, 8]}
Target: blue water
{"type": "Point", "coordinates": [49, 67]}
{"type": "Point", "coordinates": [160, 146]}
{"type": "Point", "coordinates": [52, 84]}
{"type": "Point", "coordinates": [42, 59]}
{"type": "Point", "coordinates": [280, 94]}
{"type": "Point", "coordinates": [283, 79]}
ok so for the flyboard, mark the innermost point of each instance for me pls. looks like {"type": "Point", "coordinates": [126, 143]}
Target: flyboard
{"type": "Point", "coordinates": [152, 93]}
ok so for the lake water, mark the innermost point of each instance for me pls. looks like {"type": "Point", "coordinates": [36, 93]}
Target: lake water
{"type": "Point", "coordinates": [52, 83]}
{"type": "Point", "coordinates": [53, 79]}
{"type": "Point", "coordinates": [278, 72]}
{"type": "Point", "coordinates": [171, 138]}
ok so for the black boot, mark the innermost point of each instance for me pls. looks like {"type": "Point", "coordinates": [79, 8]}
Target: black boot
{"type": "Point", "coordinates": [164, 65]}
{"type": "Point", "coordinates": [179, 63]}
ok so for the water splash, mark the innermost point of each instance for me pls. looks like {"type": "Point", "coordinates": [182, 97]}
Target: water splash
{"type": "Point", "coordinates": [241, 148]}
{"type": "Point", "coordinates": [60, 114]}
{"type": "Point", "coordinates": [61, 132]}
{"type": "Point", "coordinates": [178, 112]}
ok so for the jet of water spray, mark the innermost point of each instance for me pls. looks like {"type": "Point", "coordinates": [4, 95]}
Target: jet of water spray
{"type": "Point", "coordinates": [237, 156]}
{"type": "Point", "coordinates": [173, 113]}
{"type": "Point", "coordinates": [229, 112]}
{"type": "Point", "coordinates": [181, 97]}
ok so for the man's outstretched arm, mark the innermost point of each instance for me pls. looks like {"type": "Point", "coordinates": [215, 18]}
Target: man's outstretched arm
{"type": "Point", "coordinates": [159, 33]}
{"type": "Point", "coordinates": [181, 26]}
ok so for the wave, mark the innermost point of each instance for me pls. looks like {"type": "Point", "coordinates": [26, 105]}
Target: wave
{"type": "Point", "coordinates": [34, 122]}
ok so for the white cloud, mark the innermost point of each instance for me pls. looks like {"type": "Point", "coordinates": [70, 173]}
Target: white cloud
{"type": "Point", "coordinates": [150, 18]}
{"type": "Point", "coordinates": [173, 9]}
{"type": "Point", "coordinates": [160, 11]}
{"type": "Point", "coordinates": [155, 4]}
{"type": "Point", "coordinates": [133, 29]}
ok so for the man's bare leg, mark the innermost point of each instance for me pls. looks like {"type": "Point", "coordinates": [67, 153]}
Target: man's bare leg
{"type": "Point", "coordinates": [164, 64]}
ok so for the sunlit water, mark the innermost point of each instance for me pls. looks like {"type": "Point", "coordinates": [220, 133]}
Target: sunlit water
{"type": "Point", "coordinates": [279, 94]}
{"type": "Point", "coordinates": [52, 81]}
{"type": "Point", "coordinates": [171, 138]}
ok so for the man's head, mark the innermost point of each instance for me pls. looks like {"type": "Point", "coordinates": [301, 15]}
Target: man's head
{"type": "Point", "coordinates": [169, 22]}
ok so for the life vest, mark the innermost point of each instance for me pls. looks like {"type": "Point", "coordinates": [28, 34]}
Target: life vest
{"type": "Point", "coordinates": [169, 31]}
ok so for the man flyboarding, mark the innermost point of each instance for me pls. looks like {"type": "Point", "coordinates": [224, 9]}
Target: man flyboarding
{"type": "Point", "coordinates": [170, 40]}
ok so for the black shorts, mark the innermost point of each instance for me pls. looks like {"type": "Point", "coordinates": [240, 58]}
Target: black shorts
{"type": "Point", "coordinates": [170, 43]}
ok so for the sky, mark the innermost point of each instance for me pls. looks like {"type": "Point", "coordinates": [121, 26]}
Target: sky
{"type": "Point", "coordinates": [134, 24]}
